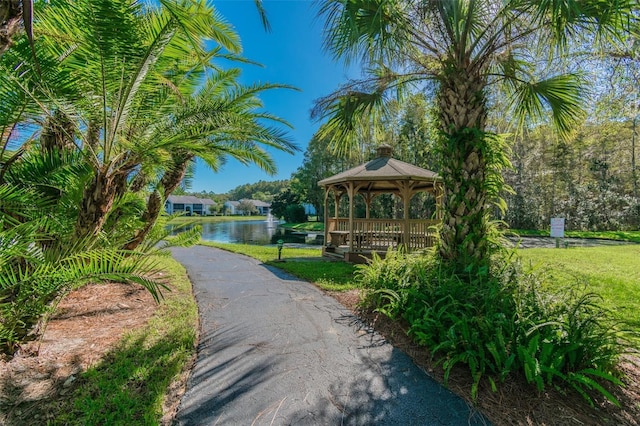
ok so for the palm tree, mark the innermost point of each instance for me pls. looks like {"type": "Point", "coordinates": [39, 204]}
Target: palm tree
{"type": "Point", "coordinates": [125, 98]}
{"type": "Point", "coordinates": [461, 50]}
{"type": "Point", "coordinates": [126, 76]}
{"type": "Point", "coordinates": [221, 120]}
{"type": "Point", "coordinates": [131, 53]}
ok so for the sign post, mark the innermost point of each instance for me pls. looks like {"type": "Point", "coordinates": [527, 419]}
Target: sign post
{"type": "Point", "coordinates": [557, 229]}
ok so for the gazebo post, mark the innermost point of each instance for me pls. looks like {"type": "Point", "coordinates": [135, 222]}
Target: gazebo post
{"type": "Point", "coordinates": [407, 234]}
{"type": "Point", "coordinates": [438, 190]}
{"type": "Point", "coordinates": [405, 192]}
{"type": "Point", "coordinates": [368, 197]}
{"type": "Point", "coordinates": [326, 215]}
{"type": "Point", "coordinates": [350, 193]}
{"type": "Point", "coordinates": [367, 206]}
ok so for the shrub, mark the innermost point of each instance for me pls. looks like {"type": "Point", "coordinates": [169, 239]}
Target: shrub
{"type": "Point", "coordinates": [295, 213]}
{"type": "Point", "coordinates": [497, 322]}
{"type": "Point", "coordinates": [394, 281]}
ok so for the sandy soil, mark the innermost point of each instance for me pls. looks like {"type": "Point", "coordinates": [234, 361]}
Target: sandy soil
{"type": "Point", "coordinates": [87, 323]}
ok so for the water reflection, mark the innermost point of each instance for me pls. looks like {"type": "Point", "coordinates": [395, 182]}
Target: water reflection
{"type": "Point", "coordinates": [259, 232]}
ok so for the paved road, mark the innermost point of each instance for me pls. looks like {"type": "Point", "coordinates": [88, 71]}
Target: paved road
{"type": "Point", "coordinates": [548, 242]}
{"type": "Point", "coordinates": [275, 350]}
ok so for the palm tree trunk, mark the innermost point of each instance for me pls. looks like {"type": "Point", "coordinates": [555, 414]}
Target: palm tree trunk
{"type": "Point", "coordinates": [93, 135]}
{"type": "Point", "coordinates": [463, 116]}
{"type": "Point", "coordinates": [97, 200]}
{"type": "Point", "coordinates": [169, 182]}
{"type": "Point", "coordinates": [58, 133]}
{"type": "Point", "coordinates": [98, 197]}
{"type": "Point", "coordinates": [10, 22]}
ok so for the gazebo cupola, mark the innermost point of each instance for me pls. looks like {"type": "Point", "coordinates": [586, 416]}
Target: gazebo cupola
{"type": "Point", "coordinates": [355, 238]}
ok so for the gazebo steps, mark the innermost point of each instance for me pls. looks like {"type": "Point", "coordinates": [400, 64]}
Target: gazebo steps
{"type": "Point", "coordinates": [337, 256]}
{"type": "Point", "coordinates": [342, 253]}
{"type": "Point", "coordinates": [333, 252]}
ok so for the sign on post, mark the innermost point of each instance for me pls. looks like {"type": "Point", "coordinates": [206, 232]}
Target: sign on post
{"type": "Point", "coordinates": [557, 227]}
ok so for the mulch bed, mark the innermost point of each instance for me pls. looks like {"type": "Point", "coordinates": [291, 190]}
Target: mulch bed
{"type": "Point", "coordinates": [87, 324]}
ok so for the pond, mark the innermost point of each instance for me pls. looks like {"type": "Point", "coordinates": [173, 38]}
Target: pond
{"type": "Point", "coordinates": [258, 232]}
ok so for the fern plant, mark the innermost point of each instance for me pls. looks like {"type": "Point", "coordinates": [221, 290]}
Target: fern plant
{"type": "Point", "coordinates": [498, 322]}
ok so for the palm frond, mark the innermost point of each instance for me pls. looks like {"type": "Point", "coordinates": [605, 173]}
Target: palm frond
{"type": "Point", "coordinates": [19, 243]}
{"type": "Point", "coordinates": [347, 110]}
{"type": "Point", "coordinates": [197, 19]}
{"type": "Point", "coordinates": [162, 236]}
{"type": "Point", "coordinates": [50, 173]}
{"type": "Point", "coordinates": [113, 265]}
{"type": "Point", "coordinates": [561, 94]}
{"type": "Point", "coordinates": [371, 30]}
{"type": "Point", "coordinates": [19, 204]}
{"type": "Point", "coordinates": [163, 31]}
{"type": "Point", "coordinates": [263, 15]}
{"type": "Point", "coordinates": [565, 19]}
{"type": "Point", "coordinates": [185, 238]}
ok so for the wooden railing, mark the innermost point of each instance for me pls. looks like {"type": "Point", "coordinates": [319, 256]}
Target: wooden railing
{"type": "Point", "coordinates": [380, 234]}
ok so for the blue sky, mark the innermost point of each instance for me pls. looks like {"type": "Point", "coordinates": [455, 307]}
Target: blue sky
{"type": "Point", "coordinates": [291, 54]}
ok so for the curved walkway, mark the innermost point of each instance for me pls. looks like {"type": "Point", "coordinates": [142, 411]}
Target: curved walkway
{"type": "Point", "coordinates": [275, 350]}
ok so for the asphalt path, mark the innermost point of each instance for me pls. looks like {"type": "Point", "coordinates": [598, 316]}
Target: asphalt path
{"type": "Point", "coordinates": [275, 350]}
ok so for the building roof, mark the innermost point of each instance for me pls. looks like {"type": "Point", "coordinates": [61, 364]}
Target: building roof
{"type": "Point", "coordinates": [256, 203]}
{"type": "Point", "coordinates": [190, 199]}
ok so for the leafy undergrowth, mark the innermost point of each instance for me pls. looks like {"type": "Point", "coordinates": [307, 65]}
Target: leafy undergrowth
{"type": "Point", "coordinates": [129, 385]}
{"type": "Point", "coordinates": [514, 402]}
{"type": "Point", "coordinates": [501, 326]}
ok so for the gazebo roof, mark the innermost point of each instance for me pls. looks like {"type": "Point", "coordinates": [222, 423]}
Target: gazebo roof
{"type": "Point", "coordinates": [379, 174]}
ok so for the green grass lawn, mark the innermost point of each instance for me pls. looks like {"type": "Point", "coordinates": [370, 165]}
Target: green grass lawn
{"type": "Point", "coordinates": [128, 386]}
{"type": "Point", "coordinates": [613, 272]}
{"type": "Point", "coordinates": [306, 226]}
{"type": "Point", "coordinates": [305, 263]}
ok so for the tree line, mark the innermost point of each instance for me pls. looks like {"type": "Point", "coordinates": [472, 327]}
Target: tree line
{"type": "Point", "coordinates": [588, 178]}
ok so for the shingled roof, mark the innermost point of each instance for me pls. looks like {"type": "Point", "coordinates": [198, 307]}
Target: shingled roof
{"type": "Point", "coordinates": [380, 172]}
{"type": "Point", "coordinates": [190, 199]}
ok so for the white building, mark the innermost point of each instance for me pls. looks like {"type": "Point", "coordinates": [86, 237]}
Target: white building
{"type": "Point", "coordinates": [262, 207]}
{"type": "Point", "coordinates": [189, 205]}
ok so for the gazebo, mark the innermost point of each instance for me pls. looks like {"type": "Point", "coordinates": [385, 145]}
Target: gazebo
{"type": "Point", "coordinates": [354, 239]}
